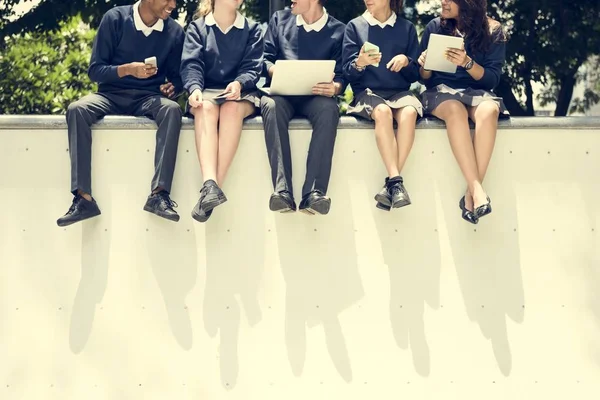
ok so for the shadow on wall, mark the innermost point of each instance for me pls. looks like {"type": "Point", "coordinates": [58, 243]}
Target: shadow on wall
{"type": "Point", "coordinates": [95, 245]}
{"type": "Point", "coordinates": [489, 268]}
{"type": "Point", "coordinates": [321, 278]}
{"type": "Point", "coordinates": [175, 280]}
{"type": "Point", "coordinates": [235, 254]}
{"type": "Point", "coordinates": [410, 246]}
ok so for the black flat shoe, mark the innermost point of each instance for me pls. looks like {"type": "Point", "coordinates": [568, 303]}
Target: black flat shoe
{"type": "Point", "coordinates": [315, 202]}
{"type": "Point", "coordinates": [161, 204]}
{"type": "Point", "coordinates": [467, 215]}
{"type": "Point", "coordinates": [282, 202]}
{"type": "Point", "coordinates": [484, 209]}
{"type": "Point", "coordinates": [383, 207]}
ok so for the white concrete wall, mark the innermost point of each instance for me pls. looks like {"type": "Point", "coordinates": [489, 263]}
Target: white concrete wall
{"type": "Point", "coordinates": [360, 304]}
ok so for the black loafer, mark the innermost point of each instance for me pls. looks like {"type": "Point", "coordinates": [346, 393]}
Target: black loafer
{"type": "Point", "coordinates": [80, 210]}
{"type": "Point", "coordinates": [484, 209]}
{"type": "Point", "coordinates": [282, 202]}
{"type": "Point", "coordinates": [467, 215]}
{"type": "Point", "coordinates": [315, 202]}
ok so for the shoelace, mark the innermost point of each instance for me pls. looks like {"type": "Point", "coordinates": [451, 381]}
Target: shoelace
{"type": "Point", "coordinates": [167, 202]}
{"type": "Point", "coordinates": [76, 201]}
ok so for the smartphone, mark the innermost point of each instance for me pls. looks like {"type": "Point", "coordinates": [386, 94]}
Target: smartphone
{"type": "Point", "coordinates": [151, 61]}
{"type": "Point", "coordinates": [368, 46]}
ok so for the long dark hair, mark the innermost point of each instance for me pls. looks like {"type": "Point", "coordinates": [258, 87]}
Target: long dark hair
{"type": "Point", "coordinates": [396, 5]}
{"type": "Point", "coordinates": [474, 22]}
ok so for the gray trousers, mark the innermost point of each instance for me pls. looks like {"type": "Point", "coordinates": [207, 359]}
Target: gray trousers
{"type": "Point", "coordinates": [323, 114]}
{"type": "Point", "coordinates": [89, 109]}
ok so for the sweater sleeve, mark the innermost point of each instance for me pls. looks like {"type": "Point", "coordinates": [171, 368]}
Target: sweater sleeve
{"type": "Point", "coordinates": [252, 61]}
{"type": "Point", "coordinates": [101, 70]}
{"type": "Point", "coordinates": [338, 57]}
{"type": "Point", "coordinates": [411, 71]}
{"type": "Point", "coordinates": [174, 63]}
{"type": "Point", "coordinates": [494, 61]}
{"type": "Point", "coordinates": [425, 42]}
{"type": "Point", "coordinates": [192, 58]}
{"type": "Point", "coordinates": [350, 53]}
{"type": "Point", "coordinates": [270, 45]}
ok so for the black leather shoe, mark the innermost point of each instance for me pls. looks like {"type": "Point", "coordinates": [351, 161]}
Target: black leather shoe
{"type": "Point", "coordinates": [80, 209]}
{"type": "Point", "coordinates": [199, 214]}
{"type": "Point", "coordinates": [467, 215]}
{"type": "Point", "coordinates": [282, 202]}
{"type": "Point", "coordinates": [383, 207]}
{"type": "Point", "coordinates": [383, 197]}
{"type": "Point", "coordinates": [211, 195]}
{"type": "Point", "coordinates": [161, 204]}
{"type": "Point", "coordinates": [400, 197]}
{"type": "Point", "coordinates": [484, 209]}
{"type": "Point", "coordinates": [315, 203]}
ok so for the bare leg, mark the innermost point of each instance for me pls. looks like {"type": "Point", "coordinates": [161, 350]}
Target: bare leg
{"type": "Point", "coordinates": [406, 118]}
{"type": "Point", "coordinates": [206, 119]}
{"type": "Point", "coordinates": [384, 135]}
{"type": "Point", "coordinates": [231, 120]}
{"type": "Point", "coordinates": [485, 117]}
{"type": "Point", "coordinates": [455, 115]}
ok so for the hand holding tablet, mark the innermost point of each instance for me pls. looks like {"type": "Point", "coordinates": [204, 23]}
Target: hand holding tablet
{"type": "Point", "coordinates": [437, 51]}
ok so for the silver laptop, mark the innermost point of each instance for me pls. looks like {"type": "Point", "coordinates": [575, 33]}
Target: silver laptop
{"type": "Point", "coordinates": [297, 77]}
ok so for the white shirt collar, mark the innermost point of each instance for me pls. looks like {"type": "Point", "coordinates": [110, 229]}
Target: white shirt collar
{"type": "Point", "coordinates": [239, 22]}
{"type": "Point", "coordinates": [372, 21]}
{"type": "Point", "coordinates": [316, 26]}
{"type": "Point", "coordinates": [141, 26]}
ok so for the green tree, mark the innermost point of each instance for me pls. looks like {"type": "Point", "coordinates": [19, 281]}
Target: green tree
{"type": "Point", "coordinates": [43, 72]}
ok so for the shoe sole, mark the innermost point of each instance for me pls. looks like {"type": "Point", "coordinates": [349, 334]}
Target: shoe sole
{"type": "Point", "coordinates": [209, 205]}
{"type": "Point", "coordinates": [385, 200]}
{"type": "Point", "coordinates": [279, 205]}
{"type": "Point", "coordinates": [383, 207]}
{"type": "Point", "coordinates": [63, 224]}
{"type": "Point", "coordinates": [174, 218]}
{"type": "Point", "coordinates": [199, 218]}
{"type": "Point", "coordinates": [402, 203]}
{"type": "Point", "coordinates": [320, 207]}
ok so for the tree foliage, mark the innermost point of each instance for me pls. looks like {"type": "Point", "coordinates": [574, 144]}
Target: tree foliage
{"type": "Point", "coordinates": [43, 73]}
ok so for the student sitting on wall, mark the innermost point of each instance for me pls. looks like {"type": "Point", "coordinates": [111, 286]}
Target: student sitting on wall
{"type": "Point", "coordinates": [307, 32]}
{"type": "Point", "coordinates": [381, 81]}
{"type": "Point", "coordinates": [468, 93]}
{"type": "Point", "coordinates": [220, 66]}
{"type": "Point", "coordinates": [126, 37]}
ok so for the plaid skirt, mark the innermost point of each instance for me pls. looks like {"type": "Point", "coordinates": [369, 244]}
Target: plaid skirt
{"type": "Point", "coordinates": [433, 97]}
{"type": "Point", "coordinates": [366, 101]}
{"type": "Point", "coordinates": [251, 96]}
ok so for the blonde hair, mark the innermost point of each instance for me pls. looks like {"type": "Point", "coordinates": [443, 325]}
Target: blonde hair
{"type": "Point", "coordinates": [204, 8]}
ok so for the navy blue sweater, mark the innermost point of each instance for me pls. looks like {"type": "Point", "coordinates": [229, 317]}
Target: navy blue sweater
{"type": "Point", "coordinates": [118, 42]}
{"type": "Point", "coordinates": [212, 59]}
{"type": "Point", "coordinates": [492, 61]}
{"type": "Point", "coordinates": [392, 40]}
{"type": "Point", "coordinates": [285, 40]}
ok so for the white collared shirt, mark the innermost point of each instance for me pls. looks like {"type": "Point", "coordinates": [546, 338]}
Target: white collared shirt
{"type": "Point", "coordinates": [372, 21]}
{"type": "Point", "coordinates": [315, 26]}
{"type": "Point", "coordinates": [141, 26]}
{"type": "Point", "coordinates": [239, 22]}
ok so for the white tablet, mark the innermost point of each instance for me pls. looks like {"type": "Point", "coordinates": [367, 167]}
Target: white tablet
{"type": "Point", "coordinates": [297, 77]}
{"type": "Point", "coordinates": [436, 59]}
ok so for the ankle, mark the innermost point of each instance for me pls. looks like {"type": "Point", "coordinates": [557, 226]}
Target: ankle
{"type": "Point", "coordinates": [86, 196]}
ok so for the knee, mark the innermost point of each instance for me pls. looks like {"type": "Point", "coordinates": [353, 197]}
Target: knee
{"type": "Point", "coordinates": [382, 113]}
{"type": "Point", "coordinates": [488, 110]}
{"type": "Point", "coordinates": [327, 105]}
{"type": "Point", "coordinates": [408, 114]}
{"type": "Point", "coordinates": [267, 104]}
{"type": "Point", "coordinates": [231, 109]}
{"type": "Point", "coordinates": [75, 107]}
{"type": "Point", "coordinates": [172, 109]}
{"type": "Point", "coordinates": [454, 111]}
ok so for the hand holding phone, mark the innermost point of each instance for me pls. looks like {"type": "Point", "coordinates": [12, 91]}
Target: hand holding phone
{"type": "Point", "coordinates": [151, 61]}
{"type": "Point", "coordinates": [369, 55]}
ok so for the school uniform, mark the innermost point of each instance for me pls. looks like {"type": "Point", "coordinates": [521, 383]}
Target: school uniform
{"type": "Point", "coordinates": [289, 37]}
{"type": "Point", "coordinates": [213, 57]}
{"type": "Point", "coordinates": [123, 38]}
{"type": "Point", "coordinates": [461, 86]}
{"type": "Point", "coordinates": [376, 85]}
